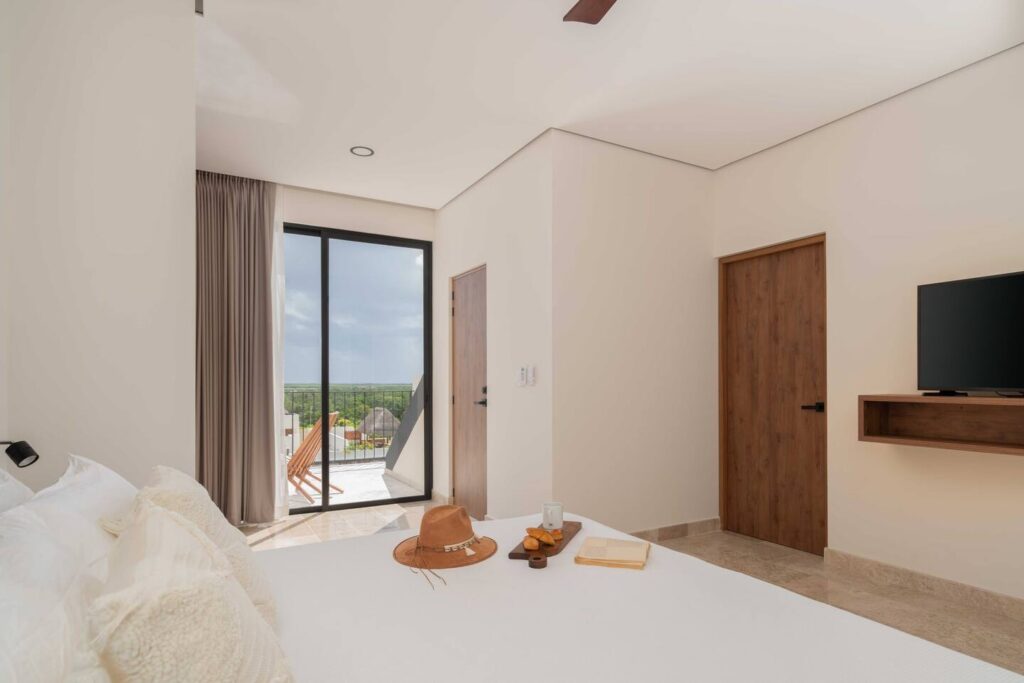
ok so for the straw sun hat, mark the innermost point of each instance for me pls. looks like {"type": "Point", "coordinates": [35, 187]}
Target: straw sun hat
{"type": "Point", "coordinates": [446, 541]}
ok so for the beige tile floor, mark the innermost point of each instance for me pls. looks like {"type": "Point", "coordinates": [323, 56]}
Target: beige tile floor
{"type": "Point", "coordinates": [985, 635]}
{"type": "Point", "coordinates": [315, 527]}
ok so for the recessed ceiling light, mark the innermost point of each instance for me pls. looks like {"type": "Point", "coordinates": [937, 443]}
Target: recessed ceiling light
{"type": "Point", "coordinates": [361, 151]}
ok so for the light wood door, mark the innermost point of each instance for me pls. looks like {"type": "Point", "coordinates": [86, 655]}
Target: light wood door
{"type": "Point", "coordinates": [469, 391]}
{"type": "Point", "coordinates": [772, 355]}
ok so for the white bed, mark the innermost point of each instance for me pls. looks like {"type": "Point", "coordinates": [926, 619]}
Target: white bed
{"type": "Point", "coordinates": [347, 612]}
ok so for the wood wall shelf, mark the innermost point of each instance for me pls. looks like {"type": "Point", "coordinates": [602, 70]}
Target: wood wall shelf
{"type": "Point", "coordinates": [964, 423]}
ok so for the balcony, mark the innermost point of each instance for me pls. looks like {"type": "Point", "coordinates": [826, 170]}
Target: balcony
{"type": "Point", "coordinates": [362, 432]}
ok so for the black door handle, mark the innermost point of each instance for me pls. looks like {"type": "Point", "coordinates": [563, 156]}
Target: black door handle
{"type": "Point", "coordinates": [818, 407]}
{"type": "Point", "coordinates": [481, 402]}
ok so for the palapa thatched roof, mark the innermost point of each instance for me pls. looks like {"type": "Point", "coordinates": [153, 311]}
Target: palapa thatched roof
{"type": "Point", "coordinates": [379, 421]}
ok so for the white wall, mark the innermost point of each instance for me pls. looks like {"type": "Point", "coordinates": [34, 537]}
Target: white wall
{"type": "Point", "coordinates": [100, 233]}
{"type": "Point", "coordinates": [925, 187]}
{"type": "Point", "coordinates": [600, 272]}
{"type": "Point", "coordinates": [6, 168]}
{"type": "Point", "coordinates": [342, 212]}
{"type": "Point", "coordinates": [635, 337]}
{"type": "Point", "coordinates": [504, 221]}
{"type": "Point", "coordinates": [409, 466]}
{"type": "Point", "coordinates": [97, 261]}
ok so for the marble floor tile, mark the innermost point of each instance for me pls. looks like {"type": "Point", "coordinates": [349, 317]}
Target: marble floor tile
{"type": "Point", "coordinates": [984, 634]}
{"type": "Point", "coordinates": [315, 527]}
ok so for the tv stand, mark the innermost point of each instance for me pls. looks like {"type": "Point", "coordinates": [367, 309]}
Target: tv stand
{"type": "Point", "coordinates": [945, 392]}
{"type": "Point", "coordinates": [987, 424]}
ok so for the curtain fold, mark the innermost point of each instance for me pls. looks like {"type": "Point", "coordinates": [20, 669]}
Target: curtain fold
{"type": "Point", "coordinates": [234, 345]}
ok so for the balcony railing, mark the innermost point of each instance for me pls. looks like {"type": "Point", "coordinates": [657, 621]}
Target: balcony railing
{"type": "Point", "coordinates": [368, 420]}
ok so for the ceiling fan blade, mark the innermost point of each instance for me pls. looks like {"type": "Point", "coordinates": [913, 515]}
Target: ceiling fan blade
{"type": "Point", "coordinates": [589, 11]}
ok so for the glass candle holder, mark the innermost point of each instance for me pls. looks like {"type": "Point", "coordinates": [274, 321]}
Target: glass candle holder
{"type": "Point", "coordinates": [551, 516]}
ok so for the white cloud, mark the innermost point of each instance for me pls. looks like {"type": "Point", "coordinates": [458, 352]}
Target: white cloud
{"type": "Point", "coordinates": [300, 306]}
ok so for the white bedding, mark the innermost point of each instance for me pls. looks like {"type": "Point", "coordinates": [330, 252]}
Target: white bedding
{"type": "Point", "coordinates": [347, 612]}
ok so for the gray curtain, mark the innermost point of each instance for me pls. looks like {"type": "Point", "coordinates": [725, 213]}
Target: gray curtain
{"type": "Point", "coordinates": [234, 349]}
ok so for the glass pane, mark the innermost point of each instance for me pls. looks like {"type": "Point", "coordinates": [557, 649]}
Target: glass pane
{"type": "Point", "coordinates": [376, 367]}
{"type": "Point", "coordinates": [302, 442]}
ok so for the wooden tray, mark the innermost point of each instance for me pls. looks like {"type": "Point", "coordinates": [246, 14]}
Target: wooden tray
{"type": "Point", "coordinates": [569, 530]}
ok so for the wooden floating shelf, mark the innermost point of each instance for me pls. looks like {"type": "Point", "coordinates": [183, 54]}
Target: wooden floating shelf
{"type": "Point", "coordinates": [964, 423]}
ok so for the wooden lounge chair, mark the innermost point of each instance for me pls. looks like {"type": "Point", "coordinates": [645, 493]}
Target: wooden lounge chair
{"type": "Point", "coordinates": [302, 460]}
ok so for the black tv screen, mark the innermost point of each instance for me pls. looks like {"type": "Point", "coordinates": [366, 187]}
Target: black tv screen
{"type": "Point", "coordinates": [970, 334]}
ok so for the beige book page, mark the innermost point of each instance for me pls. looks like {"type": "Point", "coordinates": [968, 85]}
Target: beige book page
{"type": "Point", "coordinates": [614, 550]}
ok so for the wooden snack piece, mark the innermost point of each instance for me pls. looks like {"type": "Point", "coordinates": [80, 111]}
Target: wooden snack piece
{"type": "Point", "coordinates": [569, 530]}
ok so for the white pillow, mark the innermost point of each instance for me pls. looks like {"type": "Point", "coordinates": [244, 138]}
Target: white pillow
{"type": "Point", "coordinates": [43, 595]}
{"type": "Point", "coordinates": [180, 493]}
{"type": "Point", "coordinates": [171, 611]}
{"type": "Point", "coordinates": [90, 489]}
{"type": "Point", "coordinates": [12, 492]}
{"type": "Point", "coordinates": [73, 507]}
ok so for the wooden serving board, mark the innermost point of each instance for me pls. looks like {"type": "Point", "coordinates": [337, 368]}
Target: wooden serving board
{"type": "Point", "coordinates": [569, 530]}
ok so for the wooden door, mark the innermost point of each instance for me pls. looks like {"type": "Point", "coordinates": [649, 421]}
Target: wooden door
{"type": "Point", "coordinates": [469, 391]}
{"type": "Point", "coordinates": [772, 356]}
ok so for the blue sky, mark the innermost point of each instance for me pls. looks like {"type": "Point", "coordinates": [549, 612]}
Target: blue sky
{"type": "Point", "coordinates": [376, 312]}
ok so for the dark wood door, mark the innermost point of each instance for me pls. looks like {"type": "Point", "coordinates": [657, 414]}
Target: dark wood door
{"type": "Point", "coordinates": [469, 392]}
{"type": "Point", "coordinates": [773, 440]}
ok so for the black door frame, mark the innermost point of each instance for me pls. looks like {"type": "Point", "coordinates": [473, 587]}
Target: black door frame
{"type": "Point", "coordinates": [326, 235]}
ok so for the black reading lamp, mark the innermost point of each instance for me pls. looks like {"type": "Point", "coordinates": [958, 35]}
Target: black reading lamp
{"type": "Point", "coordinates": [20, 452]}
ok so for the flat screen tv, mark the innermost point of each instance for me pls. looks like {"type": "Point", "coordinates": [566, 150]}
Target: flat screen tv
{"type": "Point", "coordinates": [970, 334]}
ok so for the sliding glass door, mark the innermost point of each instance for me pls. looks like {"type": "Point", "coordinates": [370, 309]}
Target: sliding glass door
{"type": "Point", "coordinates": [356, 369]}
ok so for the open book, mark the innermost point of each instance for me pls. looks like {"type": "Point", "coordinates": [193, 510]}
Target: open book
{"type": "Point", "coordinates": [613, 552]}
